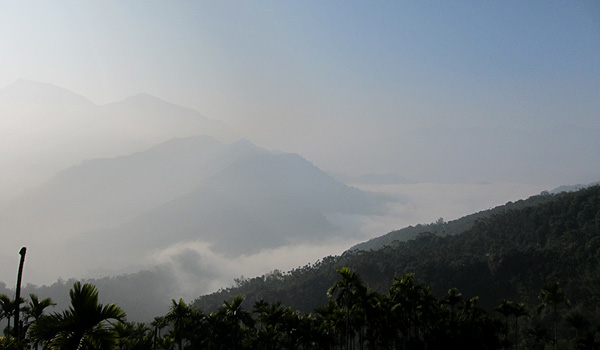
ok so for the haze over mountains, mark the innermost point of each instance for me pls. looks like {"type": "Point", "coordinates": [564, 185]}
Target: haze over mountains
{"type": "Point", "coordinates": [117, 186]}
{"type": "Point", "coordinates": [142, 184]}
{"type": "Point", "coordinates": [45, 129]}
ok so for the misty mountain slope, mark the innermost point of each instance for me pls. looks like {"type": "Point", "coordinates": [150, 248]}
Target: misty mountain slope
{"type": "Point", "coordinates": [45, 129]}
{"type": "Point", "coordinates": [39, 125]}
{"type": "Point", "coordinates": [145, 117]}
{"type": "Point", "coordinates": [444, 228]}
{"type": "Point", "coordinates": [262, 200]}
{"type": "Point", "coordinates": [291, 175]}
{"type": "Point", "coordinates": [462, 224]}
{"type": "Point", "coordinates": [106, 192]}
{"type": "Point", "coordinates": [39, 102]}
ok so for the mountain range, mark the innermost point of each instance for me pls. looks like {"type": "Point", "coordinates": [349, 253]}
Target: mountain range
{"type": "Point", "coordinates": [150, 200]}
{"type": "Point", "coordinates": [237, 198]}
{"type": "Point", "coordinates": [142, 184]}
{"type": "Point", "coordinates": [45, 129]}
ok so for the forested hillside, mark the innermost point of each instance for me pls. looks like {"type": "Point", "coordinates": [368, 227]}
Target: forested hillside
{"type": "Point", "coordinates": [442, 228]}
{"type": "Point", "coordinates": [508, 255]}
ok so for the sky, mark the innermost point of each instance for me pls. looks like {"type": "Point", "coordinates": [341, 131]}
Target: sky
{"type": "Point", "coordinates": [335, 81]}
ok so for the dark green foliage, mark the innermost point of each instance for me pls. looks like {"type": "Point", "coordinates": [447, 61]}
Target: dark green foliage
{"type": "Point", "coordinates": [508, 255]}
{"type": "Point", "coordinates": [83, 326]}
{"type": "Point", "coordinates": [443, 228]}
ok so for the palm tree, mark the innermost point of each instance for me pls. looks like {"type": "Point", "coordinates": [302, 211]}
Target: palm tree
{"type": "Point", "coordinates": [7, 310]}
{"type": "Point", "coordinates": [133, 336]}
{"type": "Point", "coordinates": [410, 305]}
{"type": "Point", "coordinates": [84, 326]}
{"type": "Point", "coordinates": [331, 324]}
{"type": "Point", "coordinates": [349, 293]}
{"type": "Point", "coordinates": [552, 297]}
{"type": "Point", "coordinates": [519, 310]}
{"type": "Point", "coordinates": [35, 308]}
{"type": "Point", "coordinates": [271, 320]}
{"type": "Point", "coordinates": [158, 324]}
{"type": "Point", "coordinates": [237, 320]}
{"type": "Point", "coordinates": [180, 314]}
{"type": "Point", "coordinates": [505, 308]}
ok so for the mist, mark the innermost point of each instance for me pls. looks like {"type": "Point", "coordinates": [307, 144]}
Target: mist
{"type": "Point", "coordinates": [187, 144]}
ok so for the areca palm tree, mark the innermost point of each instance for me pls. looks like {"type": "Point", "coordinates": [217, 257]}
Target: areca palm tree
{"type": "Point", "coordinates": [411, 306]}
{"type": "Point", "coordinates": [34, 310]}
{"type": "Point", "coordinates": [84, 326]}
{"type": "Point", "coordinates": [237, 320]}
{"type": "Point", "coordinates": [331, 324]}
{"type": "Point", "coordinates": [179, 314]}
{"type": "Point", "coordinates": [7, 308]}
{"type": "Point", "coordinates": [519, 310]}
{"type": "Point", "coordinates": [230, 326]}
{"type": "Point", "coordinates": [553, 297]}
{"type": "Point", "coordinates": [271, 322]}
{"type": "Point", "coordinates": [159, 323]}
{"type": "Point", "coordinates": [349, 293]}
{"type": "Point", "coordinates": [505, 308]}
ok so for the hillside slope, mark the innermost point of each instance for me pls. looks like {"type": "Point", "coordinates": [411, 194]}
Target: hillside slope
{"type": "Point", "coordinates": [443, 228]}
{"type": "Point", "coordinates": [508, 255]}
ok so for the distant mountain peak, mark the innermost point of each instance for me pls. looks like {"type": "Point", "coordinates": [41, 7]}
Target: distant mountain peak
{"type": "Point", "coordinates": [23, 89]}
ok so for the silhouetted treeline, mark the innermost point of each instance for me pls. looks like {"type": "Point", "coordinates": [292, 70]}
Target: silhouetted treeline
{"type": "Point", "coordinates": [407, 316]}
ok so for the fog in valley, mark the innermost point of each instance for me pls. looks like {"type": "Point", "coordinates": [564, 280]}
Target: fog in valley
{"type": "Point", "coordinates": [178, 146]}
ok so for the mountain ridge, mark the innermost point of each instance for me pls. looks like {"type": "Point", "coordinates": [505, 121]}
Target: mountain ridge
{"type": "Point", "coordinates": [42, 135]}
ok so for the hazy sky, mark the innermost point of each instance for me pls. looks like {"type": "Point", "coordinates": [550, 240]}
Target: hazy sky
{"type": "Point", "coordinates": [337, 81]}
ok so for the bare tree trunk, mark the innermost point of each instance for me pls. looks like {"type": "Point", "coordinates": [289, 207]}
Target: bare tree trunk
{"type": "Point", "coordinates": [17, 328]}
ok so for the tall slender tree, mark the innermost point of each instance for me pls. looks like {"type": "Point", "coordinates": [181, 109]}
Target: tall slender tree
{"type": "Point", "coordinates": [553, 297]}
{"type": "Point", "coordinates": [17, 326]}
{"type": "Point", "coordinates": [348, 293]}
{"type": "Point", "coordinates": [179, 315]}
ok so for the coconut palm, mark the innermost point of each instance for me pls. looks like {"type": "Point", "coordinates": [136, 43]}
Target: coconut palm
{"type": "Point", "coordinates": [84, 326]}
